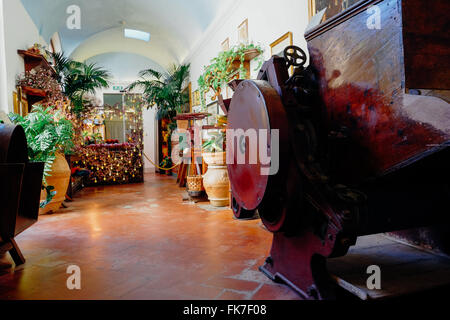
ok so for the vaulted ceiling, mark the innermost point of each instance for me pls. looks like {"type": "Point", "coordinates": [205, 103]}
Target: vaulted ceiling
{"type": "Point", "coordinates": [174, 25]}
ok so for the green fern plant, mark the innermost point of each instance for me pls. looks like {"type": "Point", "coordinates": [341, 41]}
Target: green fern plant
{"type": "Point", "coordinates": [47, 132]}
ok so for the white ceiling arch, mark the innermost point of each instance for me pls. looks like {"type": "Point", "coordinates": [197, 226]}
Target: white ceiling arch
{"type": "Point", "coordinates": [160, 50]}
{"type": "Point", "coordinates": [175, 25]}
{"type": "Point", "coordinates": [124, 67]}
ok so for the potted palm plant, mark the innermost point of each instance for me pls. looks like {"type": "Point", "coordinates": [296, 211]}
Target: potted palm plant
{"type": "Point", "coordinates": [216, 181]}
{"type": "Point", "coordinates": [49, 136]}
{"type": "Point", "coordinates": [78, 78]}
{"type": "Point", "coordinates": [165, 92]}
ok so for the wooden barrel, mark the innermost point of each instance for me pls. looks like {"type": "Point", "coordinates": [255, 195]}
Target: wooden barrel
{"type": "Point", "coordinates": [13, 144]}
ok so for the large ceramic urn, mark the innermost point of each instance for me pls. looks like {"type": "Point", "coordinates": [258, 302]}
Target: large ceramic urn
{"type": "Point", "coordinates": [215, 181]}
{"type": "Point", "coordinates": [60, 178]}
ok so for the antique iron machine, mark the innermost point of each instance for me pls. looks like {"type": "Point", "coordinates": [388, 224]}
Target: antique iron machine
{"type": "Point", "coordinates": [362, 149]}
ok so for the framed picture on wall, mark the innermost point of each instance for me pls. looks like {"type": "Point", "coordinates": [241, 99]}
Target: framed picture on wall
{"type": "Point", "coordinates": [191, 101]}
{"type": "Point", "coordinates": [187, 107]}
{"type": "Point", "coordinates": [243, 32]}
{"type": "Point", "coordinates": [277, 47]}
{"type": "Point", "coordinates": [226, 45]}
{"type": "Point", "coordinates": [196, 98]}
{"type": "Point", "coordinates": [16, 103]}
{"type": "Point", "coordinates": [330, 7]}
{"type": "Point", "coordinates": [20, 103]}
{"type": "Point", "coordinates": [213, 110]}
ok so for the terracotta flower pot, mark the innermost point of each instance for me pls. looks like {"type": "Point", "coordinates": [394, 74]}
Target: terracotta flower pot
{"type": "Point", "coordinates": [183, 124]}
{"type": "Point", "coordinates": [216, 180]}
{"type": "Point", "coordinates": [60, 178]}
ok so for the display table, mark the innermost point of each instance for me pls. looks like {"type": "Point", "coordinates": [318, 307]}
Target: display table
{"type": "Point", "coordinates": [112, 164]}
{"type": "Point", "coordinates": [185, 168]}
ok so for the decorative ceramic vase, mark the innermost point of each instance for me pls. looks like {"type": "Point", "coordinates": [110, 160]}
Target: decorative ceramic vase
{"type": "Point", "coordinates": [216, 180]}
{"type": "Point", "coordinates": [60, 178]}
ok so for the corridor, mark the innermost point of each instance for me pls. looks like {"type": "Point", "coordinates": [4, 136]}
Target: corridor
{"type": "Point", "coordinates": [142, 242]}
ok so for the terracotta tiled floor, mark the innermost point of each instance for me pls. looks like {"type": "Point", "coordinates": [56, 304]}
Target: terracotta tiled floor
{"type": "Point", "coordinates": [142, 242]}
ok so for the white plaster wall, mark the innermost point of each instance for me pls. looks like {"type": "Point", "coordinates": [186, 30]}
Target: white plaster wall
{"type": "Point", "coordinates": [267, 21]}
{"type": "Point", "coordinates": [19, 32]}
{"type": "Point", "coordinates": [150, 139]}
{"type": "Point", "coordinates": [3, 81]}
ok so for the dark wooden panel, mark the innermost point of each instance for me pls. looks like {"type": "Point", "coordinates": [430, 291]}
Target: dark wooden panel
{"type": "Point", "coordinates": [361, 79]}
{"type": "Point", "coordinates": [426, 38]}
{"type": "Point", "coordinates": [10, 188]}
{"type": "Point", "coordinates": [13, 144]}
{"type": "Point", "coordinates": [30, 196]}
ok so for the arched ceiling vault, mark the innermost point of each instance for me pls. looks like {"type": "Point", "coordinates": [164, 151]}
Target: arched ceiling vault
{"type": "Point", "coordinates": [174, 25]}
{"type": "Point", "coordinates": [124, 67]}
{"type": "Point", "coordinates": [160, 50]}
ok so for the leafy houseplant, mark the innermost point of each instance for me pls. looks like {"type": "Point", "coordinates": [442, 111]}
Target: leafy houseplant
{"type": "Point", "coordinates": [47, 133]}
{"type": "Point", "coordinates": [215, 143]}
{"type": "Point", "coordinates": [78, 79]}
{"type": "Point", "coordinates": [220, 70]}
{"type": "Point", "coordinates": [164, 91]}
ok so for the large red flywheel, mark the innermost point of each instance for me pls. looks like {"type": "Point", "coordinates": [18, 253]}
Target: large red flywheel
{"type": "Point", "coordinates": [258, 124]}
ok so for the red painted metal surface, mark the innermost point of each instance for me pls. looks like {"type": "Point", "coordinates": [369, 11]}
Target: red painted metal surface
{"type": "Point", "coordinates": [252, 105]}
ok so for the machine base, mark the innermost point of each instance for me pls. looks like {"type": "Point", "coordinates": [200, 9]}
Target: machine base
{"type": "Point", "coordinates": [405, 270]}
{"type": "Point", "coordinates": [299, 263]}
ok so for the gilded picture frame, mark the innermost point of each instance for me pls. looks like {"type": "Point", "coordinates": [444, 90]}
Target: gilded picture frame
{"type": "Point", "coordinates": [187, 108]}
{"type": "Point", "coordinates": [243, 32]}
{"type": "Point", "coordinates": [277, 47]}
{"type": "Point", "coordinates": [311, 8]}
{"type": "Point", "coordinates": [225, 44]}
{"type": "Point", "coordinates": [196, 98]}
{"type": "Point", "coordinates": [333, 7]}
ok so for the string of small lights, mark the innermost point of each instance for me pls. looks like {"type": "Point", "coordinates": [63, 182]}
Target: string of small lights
{"type": "Point", "coordinates": [113, 162]}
